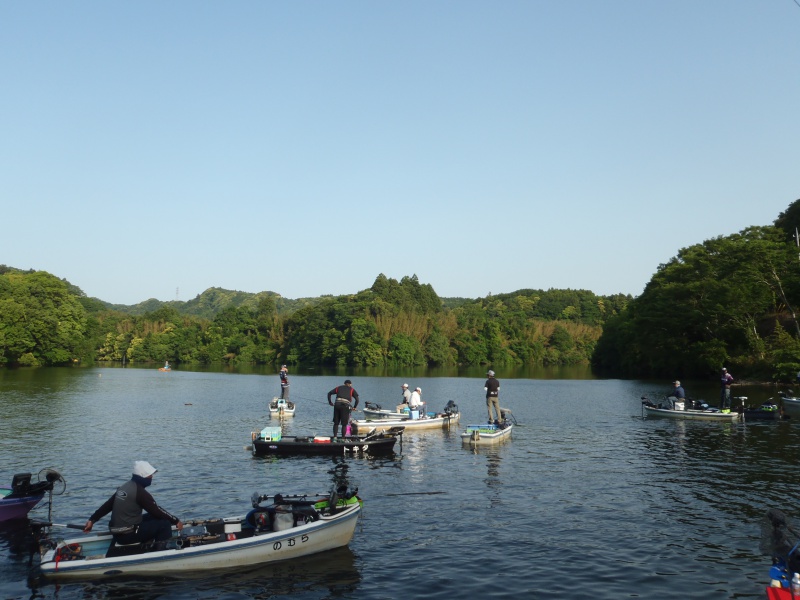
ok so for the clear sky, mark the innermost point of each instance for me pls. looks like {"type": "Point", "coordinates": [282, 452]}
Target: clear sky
{"type": "Point", "coordinates": [156, 149]}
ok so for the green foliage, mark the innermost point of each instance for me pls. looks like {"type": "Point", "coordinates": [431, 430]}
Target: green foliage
{"type": "Point", "coordinates": [399, 323]}
{"type": "Point", "coordinates": [713, 304]}
{"type": "Point", "coordinates": [41, 321]}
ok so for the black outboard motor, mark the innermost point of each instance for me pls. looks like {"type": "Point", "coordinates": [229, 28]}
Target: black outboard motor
{"type": "Point", "coordinates": [450, 408]}
{"type": "Point", "coordinates": [21, 484]}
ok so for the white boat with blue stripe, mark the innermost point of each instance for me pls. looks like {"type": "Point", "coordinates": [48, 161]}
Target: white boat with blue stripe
{"type": "Point", "coordinates": [290, 527]}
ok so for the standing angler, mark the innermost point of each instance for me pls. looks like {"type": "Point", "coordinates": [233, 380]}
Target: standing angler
{"type": "Point", "coordinates": [341, 409]}
{"type": "Point", "coordinates": [725, 392]}
{"type": "Point", "coordinates": [284, 374]}
{"type": "Point", "coordinates": [492, 387]}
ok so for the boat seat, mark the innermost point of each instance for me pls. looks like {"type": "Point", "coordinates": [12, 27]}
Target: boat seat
{"type": "Point", "coordinates": [117, 549]}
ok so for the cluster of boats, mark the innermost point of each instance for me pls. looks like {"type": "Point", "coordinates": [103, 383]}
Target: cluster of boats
{"type": "Point", "coordinates": [375, 434]}
{"type": "Point", "coordinates": [275, 527]}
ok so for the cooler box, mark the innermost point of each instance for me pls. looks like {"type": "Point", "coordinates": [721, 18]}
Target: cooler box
{"type": "Point", "coordinates": [271, 434]}
{"type": "Point", "coordinates": [679, 405]}
{"type": "Point", "coordinates": [484, 427]}
{"type": "Point", "coordinates": [318, 439]}
{"type": "Point", "coordinates": [414, 413]}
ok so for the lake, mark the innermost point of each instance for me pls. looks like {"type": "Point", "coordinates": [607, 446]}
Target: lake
{"type": "Point", "coordinates": [589, 497]}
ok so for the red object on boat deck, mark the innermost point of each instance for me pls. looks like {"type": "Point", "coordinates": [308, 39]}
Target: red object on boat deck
{"type": "Point", "coordinates": [778, 593]}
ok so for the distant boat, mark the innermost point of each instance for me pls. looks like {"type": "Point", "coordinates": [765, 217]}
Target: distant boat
{"type": "Point", "coordinates": [280, 407]}
{"type": "Point", "coordinates": [688, 414]}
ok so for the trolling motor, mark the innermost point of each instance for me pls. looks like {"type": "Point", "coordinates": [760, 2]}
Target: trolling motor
{"type": "Point", "coordinates": [506, 415]}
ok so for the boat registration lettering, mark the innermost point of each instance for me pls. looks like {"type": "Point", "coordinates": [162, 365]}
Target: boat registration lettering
{"type": "Point", "coordinates": [290, 542]}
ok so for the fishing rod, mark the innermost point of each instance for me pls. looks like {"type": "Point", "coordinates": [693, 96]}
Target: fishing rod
{"type": "Point", "coordinates": [43, 524]}
{"type": "Point", "coordinates": [315, 400]}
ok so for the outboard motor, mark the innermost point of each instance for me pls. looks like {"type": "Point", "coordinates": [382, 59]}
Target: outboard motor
{"type": "Point", "coordinates": [21, 484]}
{"type": "Point", "coordinates": [450, 408]}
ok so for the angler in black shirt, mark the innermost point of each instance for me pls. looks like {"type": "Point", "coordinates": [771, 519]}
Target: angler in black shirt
{"type": "Point", "coordinates": [346, 400]}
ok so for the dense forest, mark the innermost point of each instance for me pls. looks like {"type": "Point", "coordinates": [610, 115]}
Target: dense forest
{"type": "Point", "coordinates": [45, 320]}
{"type": "Point", "coordinates": [729, 301]}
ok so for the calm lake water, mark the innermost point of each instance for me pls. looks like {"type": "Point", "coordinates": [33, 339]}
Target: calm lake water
{"type": "Point", "coordinates": [588, 496]}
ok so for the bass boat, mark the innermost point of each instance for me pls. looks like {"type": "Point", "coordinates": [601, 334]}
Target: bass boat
{"type": "Point", "coordinates": [696, 410]}
{"type": "Point", "coordinates": [790, 405]}
{"type": "Point", "coordinates": [441, 420]}
{"type": "Point", "coordinates": [489, 433]}
{"type": "Point", "coordinates": [289, 527]}
{"type": "Point", "coordinates": [279, 407]}
{"type": "Point", "coordinates": [768, 411]}
{"type": "Point", "coordinates": [270, 442]}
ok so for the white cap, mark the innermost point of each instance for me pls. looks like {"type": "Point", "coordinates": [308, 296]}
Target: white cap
{"type": "Point", "coordinates": [404, 385]}
{"type": "Point", "coordinates": [142, 468]}
{"type": "Point", "coordinates": [418, 390]}
{"type": "Point", "coordinates": [490, 373]}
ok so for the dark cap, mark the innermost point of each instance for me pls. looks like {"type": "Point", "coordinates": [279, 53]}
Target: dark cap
{"type": "Point", "coordinates": [347, 382]}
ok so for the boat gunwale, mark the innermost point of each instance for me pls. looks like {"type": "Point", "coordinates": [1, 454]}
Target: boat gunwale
{"type": "Point", "coordinates": [96, 566]}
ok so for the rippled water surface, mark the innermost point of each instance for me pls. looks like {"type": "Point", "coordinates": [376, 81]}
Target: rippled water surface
{"type": "Point", "coordinates": [588, 495]}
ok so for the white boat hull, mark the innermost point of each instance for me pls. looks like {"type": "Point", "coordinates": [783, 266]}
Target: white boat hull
{"type": "Point", "coordinates": [696, 415]}
{"type": "Point", "coordinates": [485, 435]}
{"type": "Point", "coordinates": [281, 408]}
{"type": "Point", "coordinates": [318, 536]}
{"type": "Point", "coordinates": [440, 422]}
{"type": "Point", "coordinates": [791, 408]}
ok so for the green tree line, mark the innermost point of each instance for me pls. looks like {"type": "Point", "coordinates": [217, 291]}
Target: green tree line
{"type": "Point", "coordinates": [730, 301]}
{"type": "Point", "coordinates": [45, 320]}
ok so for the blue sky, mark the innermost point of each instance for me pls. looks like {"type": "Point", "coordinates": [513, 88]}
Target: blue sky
{"type": "Point", "coordinates": [156, 149]}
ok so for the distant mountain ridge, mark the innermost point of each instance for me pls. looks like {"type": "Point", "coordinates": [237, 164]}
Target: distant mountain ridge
{"type": "Point", "coordinates": [214, 300]}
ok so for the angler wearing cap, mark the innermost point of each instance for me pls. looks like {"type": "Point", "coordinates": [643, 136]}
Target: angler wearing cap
{"type": "Point", "coordinates": [492, 387]}
{"type": "Point", "coordinates": [127, 523]}
{"type": "Point", "coordinates": [406, 398]}
{"type": "Point", "coordinates": [416, 403]}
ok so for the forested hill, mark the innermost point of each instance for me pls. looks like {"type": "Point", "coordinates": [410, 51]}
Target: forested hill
{"type": "Point", "coordinates": [49, 321]}
{"type": "Point", "coordinates": [730, 301]}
